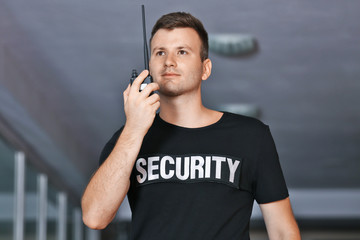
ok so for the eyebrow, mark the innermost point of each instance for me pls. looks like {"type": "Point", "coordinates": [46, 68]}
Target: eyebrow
{"type": "Point", "coordinates": [157, 48]}
{"type": "Point", "coordinates": [185, 46]}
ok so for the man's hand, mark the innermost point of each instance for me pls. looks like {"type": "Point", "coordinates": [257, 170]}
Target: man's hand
{"type": "Point", "coordinates": [140, 107]}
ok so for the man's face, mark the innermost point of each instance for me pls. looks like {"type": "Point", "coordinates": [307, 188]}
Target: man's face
{"type": "Point", "coordinates": [175, 62]}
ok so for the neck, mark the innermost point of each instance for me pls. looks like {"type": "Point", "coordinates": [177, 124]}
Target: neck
{"type": "Point", "coordinates": [187, 111]}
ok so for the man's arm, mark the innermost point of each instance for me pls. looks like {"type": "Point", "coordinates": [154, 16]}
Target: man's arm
{"type": "Point", "coordinates": [110, 183]}
{"type": "Point", "coordinates": [279, 220]}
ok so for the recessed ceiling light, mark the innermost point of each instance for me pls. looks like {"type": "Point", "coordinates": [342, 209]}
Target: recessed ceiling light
{"type": "Point", "coordinates": [249, 110]}
{"type": "Point", "coordinates": [232, 44]}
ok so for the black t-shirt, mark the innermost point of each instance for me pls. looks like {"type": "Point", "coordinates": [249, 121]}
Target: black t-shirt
{"type": "Point", "coordinates": [200, 183]}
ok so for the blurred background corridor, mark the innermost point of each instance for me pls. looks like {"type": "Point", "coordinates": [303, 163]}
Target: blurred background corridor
{"type": "Point", "coordinates": [295, 65]}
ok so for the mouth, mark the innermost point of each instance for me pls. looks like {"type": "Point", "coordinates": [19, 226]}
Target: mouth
{"type": "Point", "coordinates": [170, 74]}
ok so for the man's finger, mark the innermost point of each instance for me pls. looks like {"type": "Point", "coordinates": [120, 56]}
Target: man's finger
{"type": "Point", "coordinates": [153, 99]}
{"type": "Point", "coordinates": [156, 106]}
{"type": "Point", "coordinates": [151, 87]}
{"type": "Point", "coordinates": [137, 82]}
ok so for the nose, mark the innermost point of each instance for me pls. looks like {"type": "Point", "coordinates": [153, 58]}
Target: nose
{"type": "Point", "coordinates": [170, 60]}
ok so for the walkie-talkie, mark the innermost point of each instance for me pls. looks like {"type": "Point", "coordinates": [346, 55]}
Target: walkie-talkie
{"type": "Point", "coordinates": [134, 73]}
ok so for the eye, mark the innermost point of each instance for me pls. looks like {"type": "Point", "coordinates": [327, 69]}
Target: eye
{"type": "Point", "coordinates": [160, 53]}
{"type": "Point", "coordinates": [182, 52]}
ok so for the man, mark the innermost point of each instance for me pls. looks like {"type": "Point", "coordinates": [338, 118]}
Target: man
{"type": "Point", "coordinates": [189, 172]}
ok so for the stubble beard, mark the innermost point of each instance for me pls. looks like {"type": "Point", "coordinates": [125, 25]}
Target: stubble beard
{"type": "Point", "coordinates": [178, 86]}
{"type": "Point", "coordinates": [170, 89]}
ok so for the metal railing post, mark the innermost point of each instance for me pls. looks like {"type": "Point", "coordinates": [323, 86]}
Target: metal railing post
{"type": "Point", "coordinates": [62, 210]}
{"type": "Point", "coordinates": [42, 186]}
{"type": "Point", "coordinates": [19, 196]}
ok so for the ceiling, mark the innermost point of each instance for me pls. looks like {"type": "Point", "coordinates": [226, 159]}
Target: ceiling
{"type": "Point", "coordinates": [64, 65]}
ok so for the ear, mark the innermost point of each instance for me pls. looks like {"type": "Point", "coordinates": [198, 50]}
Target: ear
{"type": "Point", "coordinates": [207, 65]}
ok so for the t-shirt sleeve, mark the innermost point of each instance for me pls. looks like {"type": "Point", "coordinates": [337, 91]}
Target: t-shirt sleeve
{"type": "Point", "coordinates": [109, 146]}
{"type": "Point", "coordinates": [270, 183]}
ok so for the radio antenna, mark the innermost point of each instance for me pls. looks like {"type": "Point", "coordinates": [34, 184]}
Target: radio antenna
{"type": "Point", "coordinates": [146, 53]}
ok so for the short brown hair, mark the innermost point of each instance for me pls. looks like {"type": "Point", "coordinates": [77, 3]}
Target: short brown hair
{"type": "Point", "coordinates": [183, 20]}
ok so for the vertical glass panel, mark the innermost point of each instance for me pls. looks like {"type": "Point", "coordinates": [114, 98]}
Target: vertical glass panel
{"type": "Point", "coordinates": [31, 208]}
{"type": "Point", "coordinates": [52, 213]}
{"type": "Point", "coordinates": [6, 190]}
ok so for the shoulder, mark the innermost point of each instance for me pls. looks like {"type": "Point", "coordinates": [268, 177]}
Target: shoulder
{"type": "Point", "coordinates": [112, 141]}
{"type": "Point", "coordinates": [109, 146]}
{"type": "Point", "coordinates": [243, 122]}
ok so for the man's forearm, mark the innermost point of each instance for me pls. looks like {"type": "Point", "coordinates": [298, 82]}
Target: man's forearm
{"type": "Point", "coordinates": [279, 220]}
{"type": "Point", "coordinates": [109, 185]}
{"type": "Point", "coordinates": [292, 233]}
